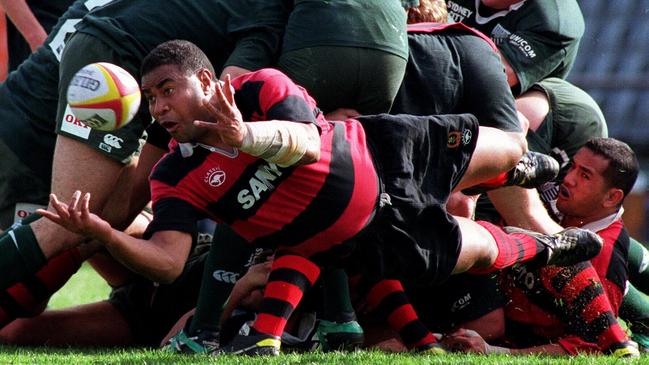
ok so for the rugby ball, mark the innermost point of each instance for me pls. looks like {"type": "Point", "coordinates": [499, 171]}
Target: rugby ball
{"type": "Point", "coordinates": [104, 96]}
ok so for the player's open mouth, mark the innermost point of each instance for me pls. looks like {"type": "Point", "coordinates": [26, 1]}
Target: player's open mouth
{"type": "Point", "coordinates": [169, 126]}
{"type": "Point", "coordinates": [563, 192]}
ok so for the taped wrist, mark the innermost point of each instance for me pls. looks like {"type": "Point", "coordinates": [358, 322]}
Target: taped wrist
{"type": "Point", "coordinates": [280, 142]}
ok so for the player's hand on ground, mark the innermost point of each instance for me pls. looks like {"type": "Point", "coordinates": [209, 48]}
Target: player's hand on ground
{"type": "Point", "coordinates": [76, 217]}
{"type": "Point", "coordinates": [226, 123]}
{"type": "Point", "coordinates": [463, 340]}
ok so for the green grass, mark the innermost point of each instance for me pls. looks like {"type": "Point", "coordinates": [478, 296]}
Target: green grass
{"type": "Point", "coordinates": [87, 287]}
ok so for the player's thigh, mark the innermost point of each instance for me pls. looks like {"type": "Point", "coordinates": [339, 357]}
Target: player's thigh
{"type": "Point", "coordinates": [119, 145]}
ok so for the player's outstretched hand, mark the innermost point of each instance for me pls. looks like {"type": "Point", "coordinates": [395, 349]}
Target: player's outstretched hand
{"type": "Point", "coordinates": [76, 216]}
{"type": "Point", "coordinates": [226, 124]}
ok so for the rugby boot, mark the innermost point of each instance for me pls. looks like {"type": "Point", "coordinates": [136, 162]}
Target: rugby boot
{"type": "Point", "coordinates": [532, 170]}
{"type": "Point", "coordinates": [568, 247]}
{"type": "Point", "coordinates": [626, 349]}
{"type": "Point", "coordinates": [336, 336]}
{"type": "Point", "coordinates": [204, 342]}
{"type": "Point", "coordinates": [433, 348]}
{"type": "Point", "coordinates": [252, 345]}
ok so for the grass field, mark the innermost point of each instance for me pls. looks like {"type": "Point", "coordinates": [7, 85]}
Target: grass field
{"type": "Point", "coordinates": [87, 287]}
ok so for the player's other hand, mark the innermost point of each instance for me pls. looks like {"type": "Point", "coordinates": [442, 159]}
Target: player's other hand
{"type": "Point", "coordinates": [76, 217]}
{"type": "Point", "coordinates": [463, 340]}
{"type": "Point", "coordinates": [225, 124]}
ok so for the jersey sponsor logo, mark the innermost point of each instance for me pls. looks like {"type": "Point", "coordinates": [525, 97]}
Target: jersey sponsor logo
{"type": "Point", "coordinates": [215, 177]}
{"type": "Point", "coordinates": [461, 303]}
{"type": "Point", "coordinates": [225, 276]}
{"type": "Point", "coordinates": [260, 183]}
{"type": "Point", "coordinates": [72, 125]}
{"type": "Point", "coordinates": [458, 12]}
{"type": "Point", "coordinates": [22, 210]}
{"type": "Point", "coordinates": [500, 35]}
{"type": "Point", "coordinates": [523, 278]}
{"type": "Point", "coordinates": [113, 141]}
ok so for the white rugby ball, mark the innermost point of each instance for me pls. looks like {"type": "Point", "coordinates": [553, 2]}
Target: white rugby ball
{"type": "Point", "coordinates": [104, 96]}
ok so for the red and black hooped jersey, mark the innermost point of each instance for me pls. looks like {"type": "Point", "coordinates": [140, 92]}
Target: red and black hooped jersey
{"type": "Point", "coordinates": [304, 209]}
{"type": "Point", "coordinates": [611, 263]}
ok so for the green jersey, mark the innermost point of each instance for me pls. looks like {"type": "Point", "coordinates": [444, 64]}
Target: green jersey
{"type": "Point", "coordinates": [539, 38]}
{"type": "Point", "coordinates": [28, 105]}
{"type": "Point", "coordinates": [375, 24]}
{"type": "Point", "coordinates": [135, 27]}
{"type": "Point", "coordinates": [47, 13]}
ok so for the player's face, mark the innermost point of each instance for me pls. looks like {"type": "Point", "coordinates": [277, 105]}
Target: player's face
{"type": "Point", "coordinates": [584, 189]}
{"type": "Point", "coordinates": [175, 101]}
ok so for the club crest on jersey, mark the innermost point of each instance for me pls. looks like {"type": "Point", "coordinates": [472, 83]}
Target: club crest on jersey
{"type": "Point", "coordinates": [456, 137]}
{"type": "Point", "coordinates": [215, 177]}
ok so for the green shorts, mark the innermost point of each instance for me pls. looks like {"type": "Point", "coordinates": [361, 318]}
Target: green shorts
{"type": "Point", "coordinates": [346, 77]}
{"type": "Point", "coordinates": [121, 144]}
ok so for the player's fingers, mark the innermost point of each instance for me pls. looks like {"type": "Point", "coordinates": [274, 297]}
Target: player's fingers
{"type": "Point", "coordinates": [220, 97]}
{"type": "Point", "coordinates": [60, 208]}
{"type": "Point", "coordinates": [49, 215]}
{"type": "Point", "coordinates": [85, 206]}
{"type": "Point", "coordinates": [72, 207]}
{"type": "Point", "coordinates": [227, 90]}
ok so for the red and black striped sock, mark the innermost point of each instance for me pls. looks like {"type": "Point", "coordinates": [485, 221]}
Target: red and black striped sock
{"type": "Point", "coordinates": [27, 297]}
{"type": "Point", "coordinates": [389, 300]}
{"type": "Point", "coordinates": [290, 277]}
{"type": "Point", "coordinates": [513, 248]}
{"type": "Point", "coordinates": [586, 308]}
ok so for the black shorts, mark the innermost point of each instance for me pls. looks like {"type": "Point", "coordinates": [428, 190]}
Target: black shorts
{"type": "Point", "coordinates": [151, 309]}
{"type": "Point", "coordinates": [462, 298]}
{"type": "Point", "coordinates": [420, 160]}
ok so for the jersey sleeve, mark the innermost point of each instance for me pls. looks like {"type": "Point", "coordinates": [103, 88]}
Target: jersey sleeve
{"type": "Point", "coordinates": [270, 95]}
{"type": "Point", "coordinates": [534, 55]}
{"type": "Point", "coordinates": [173, 214]}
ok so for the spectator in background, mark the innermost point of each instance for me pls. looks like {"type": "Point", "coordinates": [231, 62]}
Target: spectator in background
{"type": "Point", "coordinates": [536, 38]}
{"type": "Point", "coordinates": [31, 22]}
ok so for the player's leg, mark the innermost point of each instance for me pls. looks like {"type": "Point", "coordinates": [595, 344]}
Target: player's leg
{"type": "Point", "coordinates": [84, 159]}
{"type": "Point", "coordinates": [388, 299]}
{"type": "Point", "coordinates": [227, 258]}
{"type": "Point", "coordinates": [496, 163]}
{"type": "Point", "coordinates": [290, 277]}
{"type": "Point", "coordinates": [486, 248]}
{"type": "Point", "coordinates": [94, 324]}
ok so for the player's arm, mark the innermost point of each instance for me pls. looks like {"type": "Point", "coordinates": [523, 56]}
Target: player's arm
{"type": "Point", "coordinates": [25, 21]}
{"type": "Point", "coordinates": [282, 142]}
{"type": "Point", "coordinates": [470, 341]}
{"type": "Point", "coordinates": [512, 77]}
{"type": "Point", "coordinates": [160, 258]}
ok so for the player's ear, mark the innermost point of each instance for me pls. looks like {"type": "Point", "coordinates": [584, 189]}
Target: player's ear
{"type": "Point", "coordinates": [206, 78]}
{"type": "Point", "coordinates": [613, 197]}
